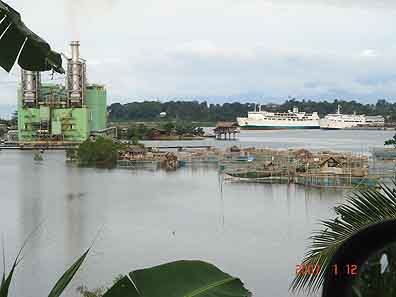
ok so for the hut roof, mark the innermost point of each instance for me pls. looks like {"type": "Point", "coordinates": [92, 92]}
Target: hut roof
{"type": "Point", "coordinates": [235, 148]}
{"type": "Point", "coordinates": [226, 125]}
{"type": "Point", "coordinates": [136, 150]}
{"type": "Point", "coordinates": [303, 153]}
{"type": "Point", "coordinates": [328, 159]}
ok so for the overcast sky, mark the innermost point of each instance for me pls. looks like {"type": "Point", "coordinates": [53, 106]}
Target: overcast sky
{"type": "Point", "coordinates": [147, 49]}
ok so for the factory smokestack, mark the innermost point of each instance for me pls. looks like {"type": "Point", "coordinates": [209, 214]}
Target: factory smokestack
{"type": "Point", "coordinates": [76, 80]}
{"type": "Point", "coordinates": [75, 49]}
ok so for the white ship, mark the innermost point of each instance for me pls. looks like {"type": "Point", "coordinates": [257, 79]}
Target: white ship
{"type": "Point", "coordinates": [345, 121]}
{"type": "Point", "coordinates": [263, 120]}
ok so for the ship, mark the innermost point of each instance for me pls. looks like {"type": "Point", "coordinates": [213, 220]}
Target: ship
{"type": "Point", "coordinates": [337, 121]}
{"type": "Point", "coordinates": [292, 119]}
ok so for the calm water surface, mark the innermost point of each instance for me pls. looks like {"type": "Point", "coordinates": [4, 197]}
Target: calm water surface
{"type": "Point", "coordinates": [256, 232]}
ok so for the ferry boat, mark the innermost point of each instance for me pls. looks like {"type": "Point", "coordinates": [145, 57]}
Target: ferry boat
{"type": "Point", "coordinates": [265, 120]}
{"type": "Point", "coordinates": [338, 121]}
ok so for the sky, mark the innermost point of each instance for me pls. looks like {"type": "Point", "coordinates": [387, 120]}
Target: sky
{"type": "Point", "coordinates": [220, 50]}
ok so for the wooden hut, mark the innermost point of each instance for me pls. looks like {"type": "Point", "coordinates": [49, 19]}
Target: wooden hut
{"type": "Point", "coordinates": [227, 129]}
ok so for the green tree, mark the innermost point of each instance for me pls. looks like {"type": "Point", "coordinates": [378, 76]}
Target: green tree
{"type": "Point", "coordinates": [169, 127]}
{"type": "Point", "coordinates": [391, 141]}
{"type": "Point", "coordinates": [203, 112]}
{"type": "Point", "coordinates": [101, 152]}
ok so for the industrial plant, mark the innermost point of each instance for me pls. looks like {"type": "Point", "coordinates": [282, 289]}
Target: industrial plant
{"type": "Point", "coordinates": [67, 113]}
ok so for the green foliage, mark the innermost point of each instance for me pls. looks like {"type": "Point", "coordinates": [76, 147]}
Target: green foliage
{"type": "Point", "coordinates": [361, 209]}
{"type": "Point", "coordinates": [391, 141]}
{"type": "Point", "coordinates": [183, 128]}
{"type": "Point", "coordinates": [204, 112]}
{"type": "Point", "coordinates": [169, 127]}
{"type": "Point", "coordinates": [71, 154]}
{"type": "Point", "coordinates": [176, 279]}
{"type": "Point", "coordinates": [142, 131]}
{"type": "Point", "coordinates": [32, 52]}
{"type": "Point", "coordinates": [6, 281]}
{"type": "Point", "coordinates": [179, 279]}
{"type": "Point", "coordinates": [177, 111]}
{"type": "Point", "coordinates": [101, 152]}
{"type": "Point", "coordinates": [37, 156]}
{"type": "Point", "coordinates": [60, 285]}
{"type": "Point", "coordinates": [85, 292]}
{"type": "Point", "coordinates": [98, 292]}
{"type": "Point", "coordinates": [135, 140]}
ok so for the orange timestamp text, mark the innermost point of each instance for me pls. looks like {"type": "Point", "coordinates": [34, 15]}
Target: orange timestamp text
{"type": "Point", "coordinates": [336, 270]}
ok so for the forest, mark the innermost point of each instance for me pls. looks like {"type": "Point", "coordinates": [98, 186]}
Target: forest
{"type": "Point", "coordinates": [210, 112]}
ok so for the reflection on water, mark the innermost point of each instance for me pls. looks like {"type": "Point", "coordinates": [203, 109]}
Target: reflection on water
{"type": "Point", "coordinates": [254, 231]}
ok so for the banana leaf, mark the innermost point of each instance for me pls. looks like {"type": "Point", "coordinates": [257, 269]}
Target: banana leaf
{"type": "Point", "coordinates": [179, 279]}
{"type": "Point", "coordinates": [19, 42]}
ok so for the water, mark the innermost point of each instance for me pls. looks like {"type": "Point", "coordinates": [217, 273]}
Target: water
{"type": "Point", "coordinates": [256, 232]}
{"type": "Point", "coordinates": [357, 141]}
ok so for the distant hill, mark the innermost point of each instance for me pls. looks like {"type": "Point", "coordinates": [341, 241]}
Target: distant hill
{"type": "Point", "coordinates": [205, 112]}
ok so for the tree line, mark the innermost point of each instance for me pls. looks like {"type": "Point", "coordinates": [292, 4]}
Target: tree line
{"type": "Point", "coordinates": [210, 112]}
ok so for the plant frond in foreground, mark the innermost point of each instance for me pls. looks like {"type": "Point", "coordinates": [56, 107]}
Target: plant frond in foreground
{"type": "Point", "coordinates": [360, 210]}
{"type": "Point", "coordinates": [179, 279]}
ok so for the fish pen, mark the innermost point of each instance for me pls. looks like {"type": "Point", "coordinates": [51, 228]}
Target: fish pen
{"type": "Point", "coordinates": [315, 169]}
{"type": "Point", "coordinates": [200, 156]}
{"type": "Point", "coordinates": [336, 181]}
{"type": "Point", "coordinates": [138, 164]}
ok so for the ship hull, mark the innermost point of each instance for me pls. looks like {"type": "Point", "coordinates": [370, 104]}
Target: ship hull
{"type": "Point", "coordinates": [326, 128]}
{"type": "Point", "coordinates": [335, 125]}
{"type": "Point", "coordinates": [254, 127]}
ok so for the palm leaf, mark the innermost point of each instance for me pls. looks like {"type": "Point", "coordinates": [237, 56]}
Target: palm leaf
{"type": "Point", "coordinates": [360, 210]}
{"type": "Point", "coordinates": [179, 279]}
{"type": "Point", "coordinates": [66, 278]}
{"type": "Point", "coordinates": [19, 42]}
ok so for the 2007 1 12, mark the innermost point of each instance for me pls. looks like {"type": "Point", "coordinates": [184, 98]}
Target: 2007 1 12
{"type": "Point", "coordinates": [315, 269]}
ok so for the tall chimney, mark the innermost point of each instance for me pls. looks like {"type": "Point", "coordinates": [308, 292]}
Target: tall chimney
{"type": "Point", "coordinates": [76, 76]}
{"type": "Point", "coordinates": [75, 49]}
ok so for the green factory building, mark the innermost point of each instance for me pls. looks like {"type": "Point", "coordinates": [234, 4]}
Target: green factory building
{"type": "Point", "coordinates": [51, 112]}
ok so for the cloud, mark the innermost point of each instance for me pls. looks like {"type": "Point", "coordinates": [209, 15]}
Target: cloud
{"type": "Point", "coordinates": [361, 4]}
{"type": "Point", "coordinates": [222, 48]}
{"type": "Point", "coordinates": [369, 53]}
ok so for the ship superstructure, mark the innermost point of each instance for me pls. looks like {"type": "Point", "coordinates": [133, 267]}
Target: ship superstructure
{"type": "Point", "coordinates": [260, 119]}
{"type": "Point", "coordinates": [338, 121]}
